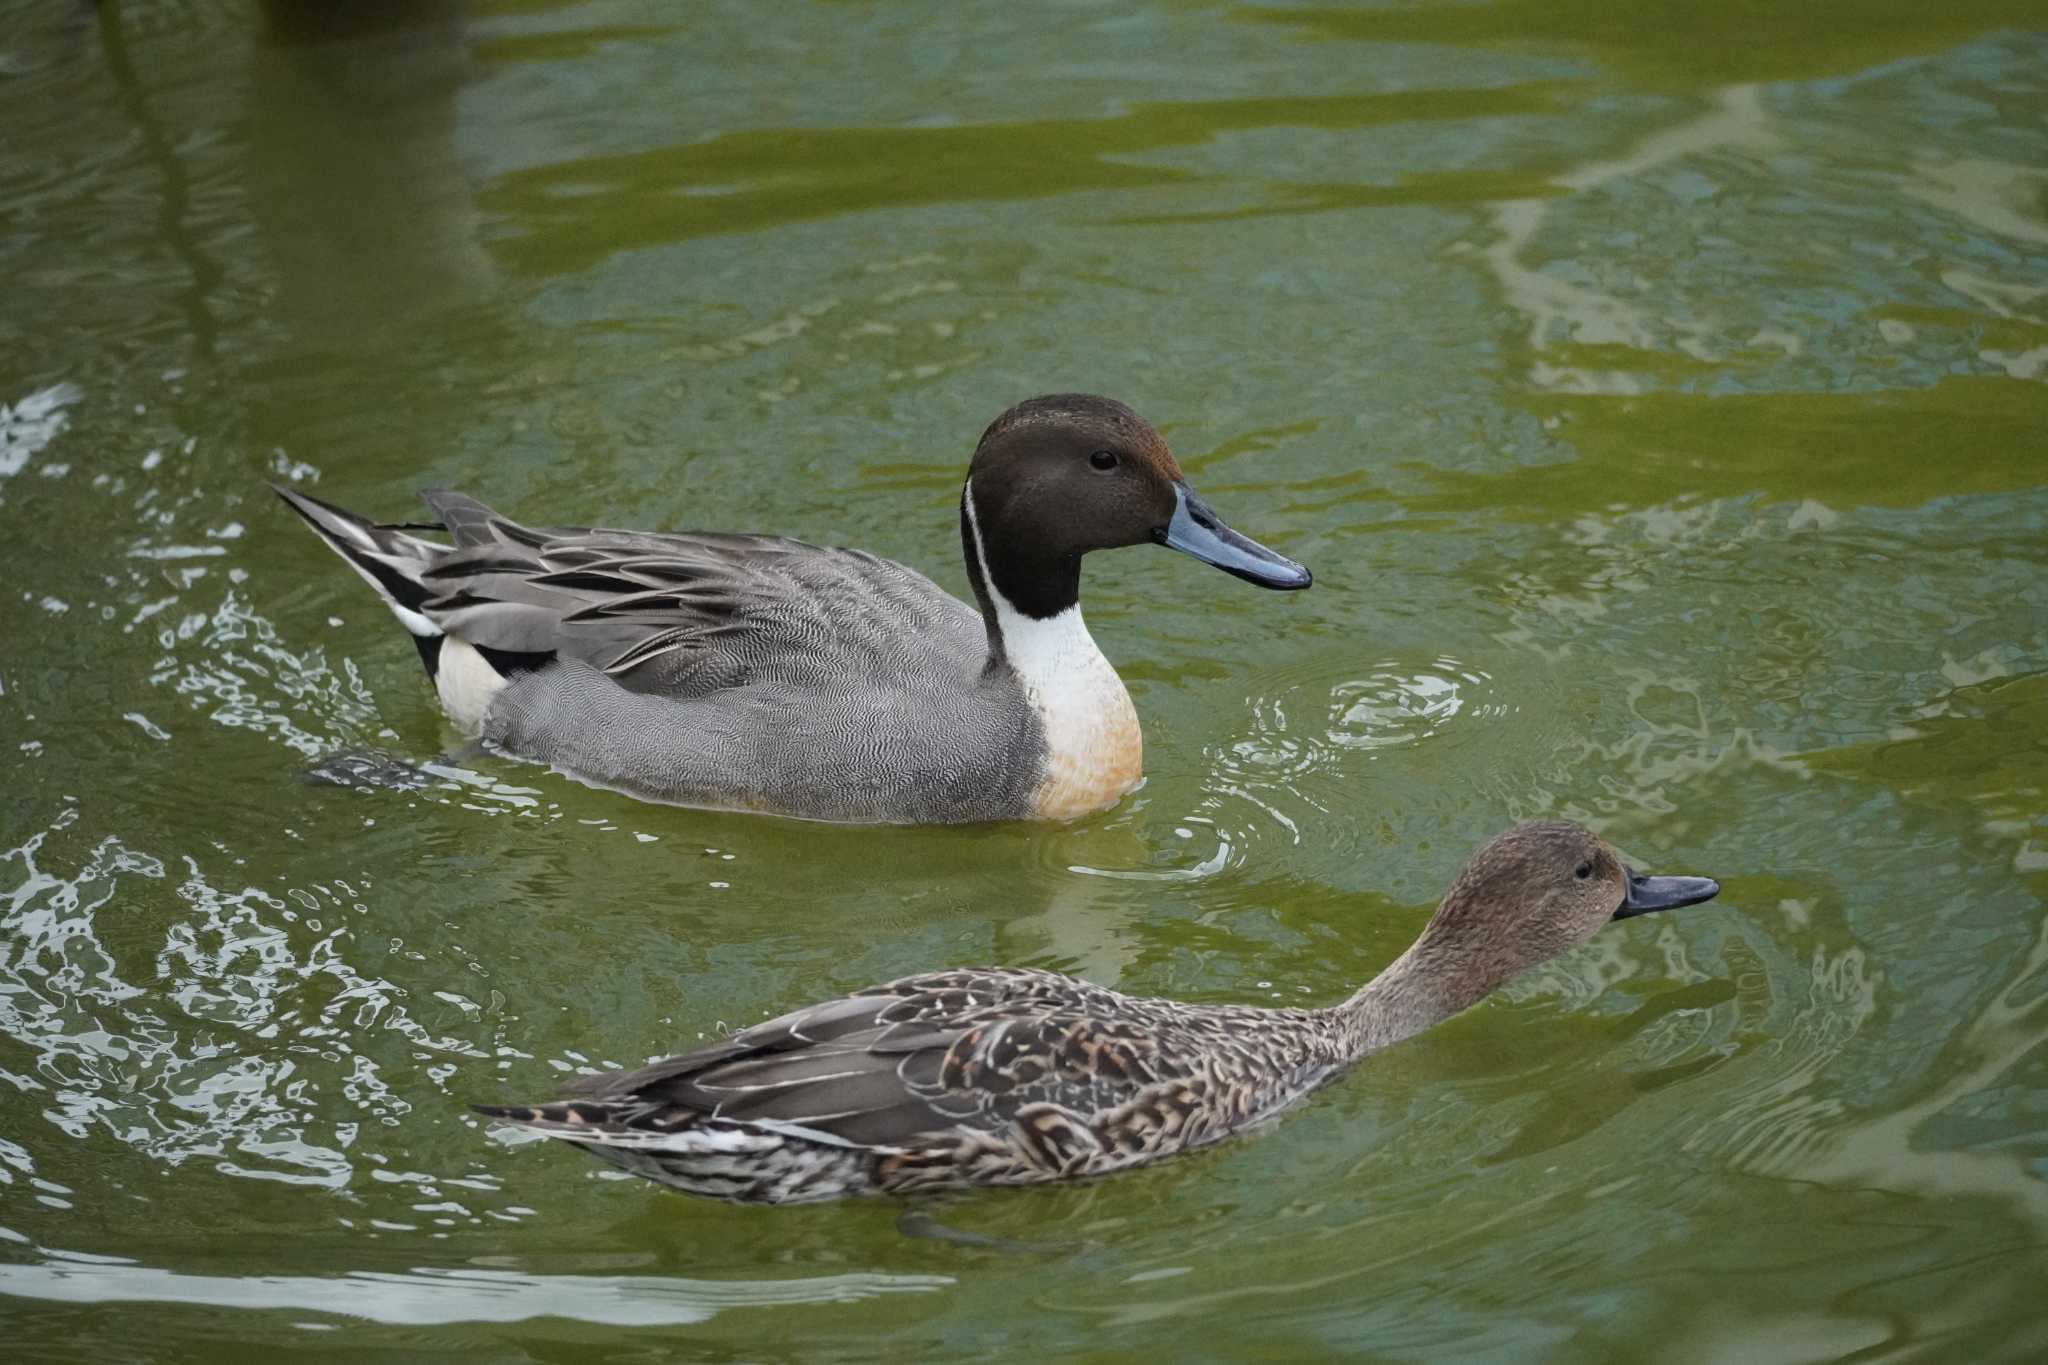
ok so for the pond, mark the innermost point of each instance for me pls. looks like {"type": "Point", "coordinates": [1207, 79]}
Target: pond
{"type": "Point", "coordinates": [1659, 394]}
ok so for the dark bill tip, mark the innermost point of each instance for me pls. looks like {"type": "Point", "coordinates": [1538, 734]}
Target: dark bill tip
{"type": "Point", "coordinates": [1646, 894]}
{"type": "Point", "coordinates": [1197, 530]}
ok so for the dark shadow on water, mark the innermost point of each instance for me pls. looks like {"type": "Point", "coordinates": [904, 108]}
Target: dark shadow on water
{"type": "Point", "coordinates": [362, 202]}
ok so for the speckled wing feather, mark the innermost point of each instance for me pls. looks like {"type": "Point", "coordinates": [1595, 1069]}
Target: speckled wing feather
{"type": "Point", "coordinates": [963, 1077]}
{"type": "Point", "coordinates": [896, 1061]}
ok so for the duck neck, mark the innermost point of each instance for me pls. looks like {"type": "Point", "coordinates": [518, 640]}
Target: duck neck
{"type": "Point", "coordinates": [1037, 642]}
{"type": "Point", "coordinates": [1030, 604]}
{"type": "Point", "coordinates": [1419, 989]}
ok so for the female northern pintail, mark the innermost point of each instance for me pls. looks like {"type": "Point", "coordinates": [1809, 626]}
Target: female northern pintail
{"type": "Point", "coordinates": [757, 673]}
{"type": "Point", "coordinates": [1015, 1077]}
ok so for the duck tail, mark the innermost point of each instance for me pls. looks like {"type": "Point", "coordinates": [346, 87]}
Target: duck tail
{"type": "Point", "coordinates": [594, 1122]}
{"type": "Point", "coordinates": [558, 1114]}
{"type": "Point", "coordinates": [386, 557]}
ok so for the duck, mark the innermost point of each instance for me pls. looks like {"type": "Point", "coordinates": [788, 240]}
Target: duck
{"type": "Point", "coordinates": [760, 673]}
{"type": "Point", "coordinates": [986, 1077]}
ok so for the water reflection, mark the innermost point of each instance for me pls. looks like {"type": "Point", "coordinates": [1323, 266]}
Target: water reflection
{"type": "Point", "coordinates": [574, 215]}
{"type": "Point", "coordinates": [440, 1297]}
{"type": "Point", "coordinates": [254, 1053]}
{"type": "Point", "coordinates": [355, 174]}
{"type": "Point", "coordinates": [30, 424]}
{"type": "Point", "coordinates": [1560, 309]}
{"type": "Point", "coordinates": [1685, 49]}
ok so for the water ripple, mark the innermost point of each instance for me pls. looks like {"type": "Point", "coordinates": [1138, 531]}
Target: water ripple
{"type": "Point", "coordinates": [34, 422]}
{"type": "Point", "coordinates": [239, 1037]}
{"type": "Point", "coordinates": [1389, 706]}
{"type": "Point", "coordinates": [1302, 756]}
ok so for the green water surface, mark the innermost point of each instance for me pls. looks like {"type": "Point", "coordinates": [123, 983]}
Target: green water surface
{"type": "Point", "coordinates": [1659, 393]}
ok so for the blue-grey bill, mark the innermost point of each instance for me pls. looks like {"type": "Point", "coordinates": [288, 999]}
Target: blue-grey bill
{"type": "Point", "coordinates": [1197, 530]}
{"type": "Point", "coordinates": [1664, 893]}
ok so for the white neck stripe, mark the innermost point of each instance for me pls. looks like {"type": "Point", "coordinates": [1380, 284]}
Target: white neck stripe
{"type": "Point", "coordinates": [1056, 659]}
{"type": "Point", "coordinates": [974, 534]}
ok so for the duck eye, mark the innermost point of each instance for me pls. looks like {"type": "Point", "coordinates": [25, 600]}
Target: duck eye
{"type": "Point", "coordinates": [1103, 460]}
{"type": "Point", "coordinates": [1583, 871]}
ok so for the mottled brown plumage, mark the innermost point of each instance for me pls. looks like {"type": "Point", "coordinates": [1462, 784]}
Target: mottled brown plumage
{"type": "Point", "coordinates": [1013, 1076]}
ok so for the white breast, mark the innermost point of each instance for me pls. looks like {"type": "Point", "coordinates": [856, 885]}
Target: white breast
{"type": "Point", "coordinates": [1095, 751]}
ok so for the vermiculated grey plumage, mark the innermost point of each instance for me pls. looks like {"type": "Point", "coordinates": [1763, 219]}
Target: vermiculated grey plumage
{"type": "Point", "coordinates": [758, 673]}
{"type": "Point", "coordinates": [737, 671]}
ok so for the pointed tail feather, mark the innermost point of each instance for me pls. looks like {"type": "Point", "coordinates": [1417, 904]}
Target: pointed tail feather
{"type": "Point", "coordinates": [559, 1114]}
{"type": "Point", "coordinates": [603, 1125]}
{"type": "Point", "coordinates": [386, 557]}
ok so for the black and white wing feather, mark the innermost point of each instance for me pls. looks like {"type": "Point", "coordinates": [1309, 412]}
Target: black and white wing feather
{"type": "Point", "coordinates": [676, 615]}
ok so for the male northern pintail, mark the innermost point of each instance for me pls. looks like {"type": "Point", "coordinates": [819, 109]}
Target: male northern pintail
{"type": "Point", "coordinates": [757, 673]}
{"type": "Point", "coordinates": [1015, 1077]}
